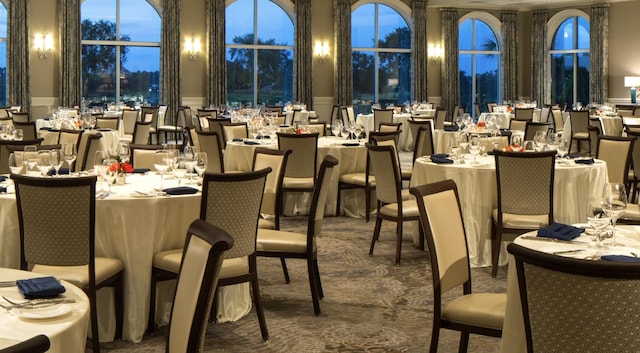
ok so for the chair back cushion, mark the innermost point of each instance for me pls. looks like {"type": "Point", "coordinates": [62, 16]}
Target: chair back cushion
{"type": "Point", "coordinates": [129, 118]}
{"type": "Point", "coordinates": [579, 121]}
{"type": "Point", "coordinates": [320, 192]}
{"type": "Point", "coordinates": [616, 152]}
{"type": "Point", "coordinates": [304, 152]}
{"type": "Point", "coordinates": [277, 161]}
{"type": "Point", "coordinates": [384, 165]}
{"type": "Point", "coordinates": [211, 144]}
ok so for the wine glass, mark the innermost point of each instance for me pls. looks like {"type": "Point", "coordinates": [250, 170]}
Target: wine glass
{"type": "Point", "coordinates": [124, 151]}
{"type": "Point", "coordinates": [109, 172]}
{"type": "Point", "coordinates": [56, 157]}
{"type": "Point", "coordinates": [69, 153]}
{"type": "Point", "coordinates": [45, 163]}
{"type": "Point", "coordinates": [614, 203]}
{"type": "Point", "coordinates": [562, 146]}
{"type": "Point", "coordinates": [161, 164]}
{"type": "Point", "coordinates": [336, 128]}
{"type": "Point", "coordinates": [179, 168]}
{"type": "Point", "coordinates": [459, 122]}
{"type": "Point", "coordinates": [552, 141]}
{"type": "Point", "coordinates": [540, 140]}
{"type": "Point", "coordinates": [597, 218]}
{"type": "Point", "coordinates": [463, 138]}
{"type": "Point", "coordinates": [474, 147]}
{"type": "Point", "coordinates": [516, 143]}
{"type": "Point", "coordinates": [455, 149]}
{"type": "Point", "coordinates": [495, 138]}
{"type": "Point", "coordinates": [201, 163]}
{"type": "Point", "coordinates": [99, 167]}
{"type": "Point", "coordinates": [14, 165]}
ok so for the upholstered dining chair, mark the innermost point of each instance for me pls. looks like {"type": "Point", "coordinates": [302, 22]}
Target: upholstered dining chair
{"type": "Point", "coordinates": [319, 127]}
{"type": "Point", "coordinates": [89, 144]}
{"type": "Point", "coordinates": [277, 243]}
{"type": "Point", "coordinates": [577, 305]}
{"type": "Point", "coordinates": [348, 114]}
{"type": "Point", "coordinates": [141, 133]}
{"type": "Point", "coordinates": [70, 136]}
{"type": "Point", "coordinates": [594, 135]}
{"type": "Point", "coordinates": [442, 223]}
{"type": "Point", "coordinates": [129, 119]}
{"type": "Point", "coordinates": [143, 155]}
{"type": "Point", "coordinates": [531, 128]}
{"type": "Point", "coordinates": [545, 113]}
{"type": "Point", "coordinates": [382, 116]}
{"type": "Point", "coordinates": [198, 277]}
{"type": "Point", "coordinates": [422, 133]}
{"type": "Point", "coordinates": [35, 344]}
{"type": "Point", "coordinates": [231, 202]}
{"type": "Point", "coordinates": [272, 198]}
{"type": "Point", "coordinates": [234, 130]}
{"type": "Point", "coordinates": [522, 207]}
{"type": "Point", "coordinates": [57, 234]}
{"type": "Point", "coordinates": [387, 127]}
{"type": "Point", "coordinates": [519, 125]}
{"type": "Point", "coordinates": [523, 114]}
{"type": "Point", "coordinates": [634, 169]}
{"type": "Point", "coordinates": [211, 143]}
{"type": "Point", "coordinates": [20, 117]}
{"type": "Point", "coordinates": [579, 133]}
{"type": "Point", "coordinates": [29, 130]}
{"type": "Point", "coordinates": [358, 180]}
{"type": "Point", "coordinates": [151, 114]}
{"type": "Point", "coordinates": [4, 151]}
{"type": "Point", "coordinates": [558, 119]}
{"type": "Point", "coordinates": [300, 174]}
{"type": "Point", "coordinates": [616, 152]}
{"type": "Point", "coordinates": [391, 204]}
{"type": "Point", "coordinates": [112, 123]}
{"type": "Point", "coordinates": [215, 125]}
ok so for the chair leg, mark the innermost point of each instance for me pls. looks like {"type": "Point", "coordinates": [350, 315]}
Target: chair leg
{"type": "Point", "coordinates": [315, 264]}
{"type": "Point", "coordinates": [367, 204]}
{"type": "Point", "coordinates": [283, 262]}
{"type": "Point", "coordinates": [495, 251]}
{"type": "Point", "coordinates": [258, 304]}
{"type": "Point", "coordinates": [338, 213]}
{"type": "Point", "coordinates": [398, 242]}
{"type": "Point", "coordinates": [435, 335]}
{"type": "Point", "coordinates": [95, 338]}
{"type": "Point", "coordinates": [376, 234]}
{"type": "Point", "coordinates": [151, 325]}
{"type": "Point", "coordinates": [313, 284]}
{"type": "Point", "coordinates": [464, 342]}
{"type": "Point", "coordinates": [119, 305]}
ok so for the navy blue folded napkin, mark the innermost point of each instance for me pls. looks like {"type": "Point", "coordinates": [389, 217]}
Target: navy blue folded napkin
{"type": "Point", "coordinates": [237, 139]}
{"type": "Point", "coordinates": [584, 161]}
{"type": "Point", "coordinates": [180, 190]}
{"type": "Point", "coordinates": [60, 172]}
{"type": "Point", "coordinates": [3, 189]}
{"type": "Point", "coordinates": [249, 142]}
{"type": "Point", "coordinates": [140, 170]}
{"type": "Point", "coordinates": [3, 178]}
{"type": "Point", "coordinates": [284, 125]}
{"type": "Point", "coordinates": [41, 287]}
{"type": "Point", "coordinates": [441, 160]}
{"type": "Point", "coordinates": [440, 155]}
{"type": "Point", "coordinates": [560, 231]}
{"type": "Point", "coordinates": [45, 128]}
{"type": "Point", "coordinates": [451, 128]}
{"type": "Point", "coordinates": [620, 258]}
{"type": "Point", "coordinates": [351, 144]}
{"type": "Point", "coordinates": [105, 130]}
{"type": "Point", "coordinates": [574, 155]}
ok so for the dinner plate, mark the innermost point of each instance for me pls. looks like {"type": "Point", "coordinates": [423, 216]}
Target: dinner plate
{"type": "Point", "coordinates": [47, 312]}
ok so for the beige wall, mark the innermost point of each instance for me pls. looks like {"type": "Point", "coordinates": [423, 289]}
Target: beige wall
{"type": "Point", "coordinates": [624, 52]}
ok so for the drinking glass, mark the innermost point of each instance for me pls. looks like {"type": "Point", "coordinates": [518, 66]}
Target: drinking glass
{"type": "Point", "coordinates": [562, 146]}
{"type": "Point", "coordinates": [56, 157]}
{"type": "Point", "coordinates": [14, 164]}
{"type": "Point", "coordinates": [529, 146]}
{"type": "Point", "coordinates": [552, 141]}
{"type": "Point", "coordinates": [615, 203]}
{"type": "Point", "coordinates": [540, 140]}
{"type": "Point", "coordinates": [100, 167]}
{"type": "Point", "coordinates": [474, 147]}
{"type": "Point", "coordinates": [179, 169]}
{"type": "Point", "coordinates": [459, 122]}
{"type": "Point", "coordinates": [45, 163]}
{"type": "Point", "coordinates": [597, 218]}
{"type": "Point", "coordinates": [336, 128]}
{"type": "Point", "coordinates": [161, 164]}
{"type": "Point", "coordinates": [455, 149]}
{"type": "Point", "coordinates": [69, 153]}
{"type": "Point", "coordinates": [18, 134]}
{"type": "Point", "coordinates": [201, 163]}
{"type": "Point", "coordinates": [109, 172]}
{"type": "Point", "coordinates": [124, 151]}
{"type": "Point", "coordinates": [516, 143]}
{"type": "Point", "coordinates": [495, 138]}
{"type": "Point", "coordinates": [463, 138]}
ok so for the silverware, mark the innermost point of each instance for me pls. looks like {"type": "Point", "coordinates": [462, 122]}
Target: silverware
{"type": "Point", "coordinates": [567, 252]}
{"type": "Point", "coordinates": [35, 302]}
{"type": "Point", "coordinates": [552, 240]}
{"type": "Point", "coordinates": [7, 283]}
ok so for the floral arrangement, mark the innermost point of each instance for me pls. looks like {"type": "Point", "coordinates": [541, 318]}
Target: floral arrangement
{"type": "Point", "coordinates": [121, 167]}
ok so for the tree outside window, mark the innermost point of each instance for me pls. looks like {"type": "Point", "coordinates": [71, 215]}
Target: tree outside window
{"type": "Point", "coordinates": [570, 62]}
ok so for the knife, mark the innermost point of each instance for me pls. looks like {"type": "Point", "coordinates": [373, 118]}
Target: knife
{"type": "Point", "coordinates": [552, 240]}
{"type": "Point", "coordinates": [39, 302]}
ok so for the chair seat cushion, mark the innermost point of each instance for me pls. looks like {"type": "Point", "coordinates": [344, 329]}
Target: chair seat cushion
{"type": "Point", "coordinates": [281, 241]}
{"type": "Point", "coordinates": [297, 183]}
{"type": "Point", "coordinates": [519, 221]}
{"type": "Point", "coordinates": [581, 136]}
{"type": "Point", "coordinates": [266, 224]}
{"type": "Point", "coordinates": [478, 309]}
{"type": "Point", "coordinates": [357, 179]}
{"type": "Point", "coordinates": [233, 267]}
{"type": "Point", "coordinates": [79, 275]}
{"type": "Point", "coordinates": [409, 209]}
{"type": "Point", "coordinates": [170, 128]}
{"type": "Point", "coordinates": [169, 260]}
{"type": "Point", "coordinates": [406, 175]}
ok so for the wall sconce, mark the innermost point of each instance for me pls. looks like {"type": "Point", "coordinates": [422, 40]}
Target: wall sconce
{"type": "Point", "coordinates": [192, 47]}
{"type": "Point", "coordinates": [43, 43]}
{"type": "Point", "coordinates": [321, 50]}
{"type": "Point", "coordinates": [633, 82]}
{"type": "Point", "coordinates": [435, 52]}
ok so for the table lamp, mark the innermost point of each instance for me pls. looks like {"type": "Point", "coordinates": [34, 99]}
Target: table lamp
{"type": "Point", "coordinates": [633, 82]}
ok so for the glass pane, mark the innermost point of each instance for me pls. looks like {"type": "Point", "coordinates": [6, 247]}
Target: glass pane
{"type": "Point", "coordinates": [583, 33]}
{"type": "Point", "coordinates": [393, 31]}
{"type": "Point", "coordinates": [3, 73]}
{"type": "Point", "coordinates": [563, 38]}
{"type": "Point", "coordinates": [562, 79]}
{"type": "Point", "coordinates": [140, 75]}
{"type": "Point", "coordinates": [96, 10]}
{"type": "Point", "coordinates": [465, 35]}
{"type": "Point", "coordinates": [363, 26]}
{"type": "Point", "coordinates": [394, 74]}
{"type": "Point", "coordinates": [240, 76]}
{"type": "Point", "coordinates": [485, 38]}
{"type": "Point", "coordinates": [583, 79]}
{"type": "Point", "coordinates": [99, 73]}
{"type": "Point", "coordinates": [139, 21]}
{"type": "Point", "coordinates": [275, 76]}
{"type": "Point", "coordinates": [487, 82]}
{"type": "Point", "coordinates": [466, 74]}
{"type": "Point", "coordinates": [274, 25]}
{"type": "Point", "coordinates": [363, 80]}
{"type": "Point", "coordinates": [3, 21]}
{"type": "Point", "coordinates": [239, 22]}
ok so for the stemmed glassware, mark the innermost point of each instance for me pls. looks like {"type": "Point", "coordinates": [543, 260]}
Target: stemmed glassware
{"type": "Point", "coordinates": [597, 218]}
{"type": "Point", "coordinates": [614, 196]}
{"type": "Point", "coordinates": [189, 161]}
{"type": "Point", "coordinates": [14, 166]}
{"type": "Point", "coordinates": [474, 147]}
{"type": "Point", "coordinates": [161, 164]}
{"type": "Point", "coordinates": [124, 151]}
{"type": "Point", "coordinates": [336, 128]}
{"type": "Point", "coordinates": [69, 153]}
{"type": "Point", "coordinates": [455, 149]}
{"type": "Point", "coordinates": [495, 138]}
{"type": "Point", "coordinates": [516, 143]}
{"type": "Point", "coordinates": [100, 167]}
{"type": "Point", "coordinates": [562, 146]}
{"type": "Point", "coordinates": [540, 140]}
{"type": "Point", "coordinates": [56, 157]}
{"type": "Point", "coordinates": [201, 163]}
{"type": "Point", "coordinates": [45, 162]}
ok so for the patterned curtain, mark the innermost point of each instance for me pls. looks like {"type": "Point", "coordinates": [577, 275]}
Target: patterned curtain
{"type": "Point", "coordinates": [70, 53]}
{"type": "Point", "coordinates": [343, 73]}
{"type": "Point", "coordinates": [450, 72]}
{"type": "Point", "coordinates": [217, 64]}
{"type": "Point", "coordinates": [170, 59]}
{"type": "Point", "coordinates": [599, 54]}
{"type": "Point", "coordinates": [420, 55]}
{"type": "Point", "coordinates": [18, 92]}
{"type": "Point", "coordinates": [509, 55]}
{"type": "Point", "coordinates": [303, 53]}
{"type": "Point", "coordinates": [539, 57]}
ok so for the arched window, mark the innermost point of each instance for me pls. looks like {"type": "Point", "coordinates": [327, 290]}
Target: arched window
{"type": "Point", "coordinates": [569, 58]}
{"type": "Point", "coordinates": [3, 54]}
{"type": "Point", "coordinates": [479, 61]}
{"type": "Point", "coordinates": [120, 52]}
{"type": "Point", "coordinates": [381, 43]}
{"type": "Point", "coordinates": [259, 37]}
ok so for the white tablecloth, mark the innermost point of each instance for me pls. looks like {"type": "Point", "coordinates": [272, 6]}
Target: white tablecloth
{"type": "Point", "coordinates": [405, 141]}
{"type": "Point", "coordinates": [133, 228]}
{"type": "Point", "coordinates": [513, 334]}
{"type": "Point", "coordinates": [67, 332]}
{"type": "Point", "coordinates": [478, 196]}
{"type": "Point", "coordinates": [351, 159]}
{"type": "Point", "coordinates": [302, 115]}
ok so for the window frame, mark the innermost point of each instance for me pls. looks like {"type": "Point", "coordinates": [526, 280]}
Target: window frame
{"type": "Point", "coordinates": [6, 42]}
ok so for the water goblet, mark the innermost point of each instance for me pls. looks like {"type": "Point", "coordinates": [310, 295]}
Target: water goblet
{"type": "Point", "coordinates": [161, 162]}
{"type": "Point", "coordinates": [56, 157]}
{"type": "Point", "coordinates": [201, 163]}
{"type": "Point", "coordinates": [336, 128]}
{"type": "Point", "coordinates": [614, 203]}
{"type": "Point", "coordinates": [474, 147]}
{"type": "Point", "coordinates": [99, 167]}
{"type": "Point", "coordinates": [18, 134]}
{"type": "Point", "coordinates": [516, 143]}
{"type": "Point", "coordinates": [45, 162]}
{"type": "Point", "coordinates": [540, 140]}
{"type": "Point", "coordinates": [455, 149]}
{"type": "Point", "coordinates": [109, 173]}
{"type": "Point", "coordinates": [562, 146]}
{"type": "Point", "coordinates": [463, 139]}
{"type": "Point", "coordinates": [124, 151]}
{"type": "Point", "coordinates": [15, 166]}
{"type": "Point", "coordinates": [69, 153]}
{"type": "Point", "coordinates": [597, 218]}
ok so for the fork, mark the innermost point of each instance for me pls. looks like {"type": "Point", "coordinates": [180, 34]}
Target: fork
{"type": "Point", "coordinates": [30, 303]}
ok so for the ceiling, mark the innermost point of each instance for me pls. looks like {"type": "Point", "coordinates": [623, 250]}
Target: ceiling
{"type": "Point", "coordinates": [513, 4]}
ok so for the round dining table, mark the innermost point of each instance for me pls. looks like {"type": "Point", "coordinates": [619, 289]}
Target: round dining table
{"type": "Point", "coordinates": [477, 188]}
{"type": "Point", "coordinates": [405, 140]}
{"type": "Point", "coordinates": [66, 324]}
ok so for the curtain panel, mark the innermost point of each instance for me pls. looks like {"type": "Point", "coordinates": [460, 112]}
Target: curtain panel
{"type": "Point", "coordinates": [18, 92]}
{"type": "Point", "coordinates": [420, 56]}
{"type": "Point", "coordinates": [450, 70]}
{"type": "Point", "coordinates": [539, 57]}
{"type": "Point", "coordinates": [170, 60]}
{"type": "Point", "coordinates": [216, 83]}
{"type": "Point", "coordinates": [70, 53]}
{"type": "Point", "coordinates": [343, 80]}
{"type": "Point", "coordinates": [303, 55]}
{"type": "Point", "coordinates": [509, 55]}
{"type": "Point", "coordinates": [599, 54]}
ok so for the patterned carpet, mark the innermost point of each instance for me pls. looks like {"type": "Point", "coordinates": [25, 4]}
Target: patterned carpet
{"type": "Point", "coordinates": [370, 305]}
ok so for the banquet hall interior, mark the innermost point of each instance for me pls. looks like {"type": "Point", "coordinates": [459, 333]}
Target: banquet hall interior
{"type": "Point", "coordinates": [315, 62]}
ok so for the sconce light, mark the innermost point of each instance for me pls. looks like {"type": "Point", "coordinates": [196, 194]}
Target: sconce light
{"type": "Point", "coordinates": [43, 43]}
{"type": "Point", "coordinates": [321, 50]}
{"type": "Point", "coordinates": [192, 47]}
{"type": "Point", "coordinates": [633, 82]}
{"type": "Point", "coordinates": [435, 52]}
